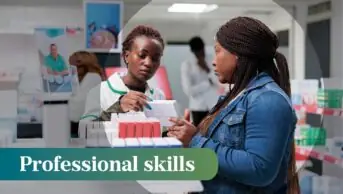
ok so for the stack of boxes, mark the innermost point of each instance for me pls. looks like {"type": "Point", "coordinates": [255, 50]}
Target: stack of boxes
{"type": "Point", "coordinates": [142, 128]}
{"type": "Point", "coordinates": [330, 94]}
{"type": "Point", "coordinates": [311, 136]}
{"type": "Point", "coordinates": [157, 142]}
{"type": "Point", "coordinates": [304, 92]}
{"type": "Point", "coordinates": [128, 131]}
{"type": "Point", "coordinates": [330, 98]}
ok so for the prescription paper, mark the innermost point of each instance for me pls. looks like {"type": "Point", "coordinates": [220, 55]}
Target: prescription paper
{"type": "Point", "coordinates": [162, 110]}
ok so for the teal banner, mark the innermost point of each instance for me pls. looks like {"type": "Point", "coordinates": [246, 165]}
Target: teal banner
{"type": "Point", "coordinates": [108, 164]}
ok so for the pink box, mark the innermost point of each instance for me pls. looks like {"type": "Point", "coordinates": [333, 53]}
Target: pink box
{"type": "Point", "coordinates": [122, 129]}
{"type": "Point", "coordinates": [156, 125]}
{"type": "Point", "coordinates": [147, 130]}
{"type": "Point", "coordinates": [139, 129]}
{"type": "Point", "coordinates": [130, 133]}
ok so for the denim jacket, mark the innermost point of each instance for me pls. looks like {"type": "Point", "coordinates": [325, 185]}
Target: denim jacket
{"type": "Point", "coordinates": [252, 139]}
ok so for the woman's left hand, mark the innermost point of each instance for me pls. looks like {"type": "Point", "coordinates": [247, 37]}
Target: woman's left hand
{"type": "Point", "coordinates": [182, 129]}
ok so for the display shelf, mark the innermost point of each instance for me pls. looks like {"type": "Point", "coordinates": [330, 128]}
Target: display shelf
{"type": "Point", "coordinates": [318, 153]}
{"type": "Point", "coordinates": [319, 111]}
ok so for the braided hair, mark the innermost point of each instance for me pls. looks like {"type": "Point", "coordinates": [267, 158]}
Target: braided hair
{"type": "Point", "coordinates": [255, 45]}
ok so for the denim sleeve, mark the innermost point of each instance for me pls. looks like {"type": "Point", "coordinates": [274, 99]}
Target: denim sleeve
{"type": "Point", "coordinates": [269, 124]}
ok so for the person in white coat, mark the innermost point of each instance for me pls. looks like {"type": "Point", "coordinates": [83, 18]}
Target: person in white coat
{"type": "Point", "coordinates": [142, 52]}
{"type": "Point", "coordinates": [198, 81]}
{"type": "Point", "coordinates": [89, 75]}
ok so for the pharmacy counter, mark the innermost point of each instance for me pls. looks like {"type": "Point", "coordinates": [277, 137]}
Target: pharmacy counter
{"type": "Point", "coordinates": [92, 187]}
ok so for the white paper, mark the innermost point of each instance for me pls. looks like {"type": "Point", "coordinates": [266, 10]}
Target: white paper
{"type": "Point", "coordinates": [162, 110]}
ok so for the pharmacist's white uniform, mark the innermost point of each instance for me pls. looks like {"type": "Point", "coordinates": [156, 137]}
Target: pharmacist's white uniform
{"type": "Point", "coordinates": [195, 84]}
{"type": "Point", "coordinates": [108, 92]}
{"type": "Point", "coordinates": [78, 100]}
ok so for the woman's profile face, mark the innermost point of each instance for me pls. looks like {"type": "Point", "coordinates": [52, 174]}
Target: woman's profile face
{"type": "Point", "coordinates": [224, 64]}
{"type": "Point", "coordinates": [144, 58]}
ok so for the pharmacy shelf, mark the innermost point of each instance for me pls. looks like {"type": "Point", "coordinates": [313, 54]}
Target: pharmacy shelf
{"type": "Point", "coordinates": [319, 111]}
{"type": "Point", "coordinates": [317, 153]}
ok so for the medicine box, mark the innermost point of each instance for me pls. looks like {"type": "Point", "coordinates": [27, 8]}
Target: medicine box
{"type": "Point", "coordinates": [146, 142]}
{"type": "Point", "coordinates": [173, 142]}
{"type": "Point", "coordinates": [137, 129]}
{"type": "Point", "coordinates": [118, 143]}
{"type": "Point", "coordinates": [160, 143]}
{"type": "Point", "coordinates": [95, 141]}
{"type": "Point", "coordinates": [132, 143]}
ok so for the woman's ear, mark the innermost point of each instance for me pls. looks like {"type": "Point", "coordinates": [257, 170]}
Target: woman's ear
{"type": "Point", "coordinates": [125, 57]}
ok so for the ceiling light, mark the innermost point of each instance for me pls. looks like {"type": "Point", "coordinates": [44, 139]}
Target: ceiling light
{"type": "Point", "coordinates": [191, 8]}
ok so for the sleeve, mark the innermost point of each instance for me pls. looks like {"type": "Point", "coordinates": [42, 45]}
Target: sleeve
{"type": "Point", "coordinates": [77, 101]}
{"type": "Point", "coordinates": [266, 124]}
{"type": "Point", "coordinates": [192, 89]}
{"type": "Point", "coordinates": [115, 108]}
{"type": "Point", "coordinates": [93, 106]}
{"type": "Point", "coordinates": [93, 109]}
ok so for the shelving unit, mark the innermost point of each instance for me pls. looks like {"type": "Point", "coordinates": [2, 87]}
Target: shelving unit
{"type": "Point", "coordinates": [305, 101]}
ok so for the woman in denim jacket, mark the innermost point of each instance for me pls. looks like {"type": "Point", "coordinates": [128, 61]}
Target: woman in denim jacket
{"type": "Point", "coordinates": [251, 128]}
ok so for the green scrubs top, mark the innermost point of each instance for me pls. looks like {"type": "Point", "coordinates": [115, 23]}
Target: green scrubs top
{"type": "Point", "coordinates": [57, 65]}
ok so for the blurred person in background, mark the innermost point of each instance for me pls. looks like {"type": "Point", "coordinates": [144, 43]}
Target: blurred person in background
{"type": "Point", "coordinates": [251, 129]}
{"type": "Point", "coordinates": [198, 81]}
{"type": "Point", "coordinates": [90, 75]}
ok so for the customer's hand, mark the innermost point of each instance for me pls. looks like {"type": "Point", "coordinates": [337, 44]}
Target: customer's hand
{"type": "Point", "coordinates": [182, 129]}
{"type": "Point", "coordinates": [135, 101]}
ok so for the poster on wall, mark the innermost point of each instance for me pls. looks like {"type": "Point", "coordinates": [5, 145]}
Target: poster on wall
{"type": "Point", "coordinates": [103, 25]}
{"type": "Point", "coordinates": [58, 76]}
{"type": "Point", "coordinates": [160, 80]}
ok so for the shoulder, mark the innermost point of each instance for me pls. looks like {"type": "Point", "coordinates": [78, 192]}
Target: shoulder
{"type": "Point", "coordinates": [187, 63]}
{"type": "Point", "coordinates": [47, 57]}
{"type": "Point", "coordinates": [92, 78]}
{"type": "Point", "coordinates": [269, 101]}
{"type": "Point", "coordinates": [270, 91]}
{"type": "Point", "coordinates": [95, 91]}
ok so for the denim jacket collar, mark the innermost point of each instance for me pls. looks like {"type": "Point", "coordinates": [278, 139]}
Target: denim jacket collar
{"type": "Point", "coordinates": [259, 81]}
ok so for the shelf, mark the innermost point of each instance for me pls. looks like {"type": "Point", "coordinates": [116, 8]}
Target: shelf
{"type": "Point", "coordinates": [319, 111]}
{"type": "Point", "coordinates": [320, 154]}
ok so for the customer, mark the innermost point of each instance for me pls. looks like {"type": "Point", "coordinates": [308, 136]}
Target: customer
{"type": "Point", "coordinates": [89, 75]}
{"type": "Point", "coordinates": [142, 52]}
{"type": "Point", "coordinates": [251, 129]}
{"type": "Point", "coordinates": [198, 81]}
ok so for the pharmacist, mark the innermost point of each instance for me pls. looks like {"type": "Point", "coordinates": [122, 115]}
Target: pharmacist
{"type": "Point", "coordinates": [89, 75]}
{"type": "Point", "coordinates": [198, 81]}
{"type": "Point", "coordinates": [142, 52]}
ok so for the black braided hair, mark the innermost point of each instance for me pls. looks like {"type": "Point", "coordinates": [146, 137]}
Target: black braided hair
{"type": "Point", "coordinates": [255, 45]}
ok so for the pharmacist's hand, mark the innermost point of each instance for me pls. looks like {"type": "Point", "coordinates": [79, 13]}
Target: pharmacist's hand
{"type": "Point", "coordinates": [182, 129]}
{"type": "Point", "coordinates": [135, 101]}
